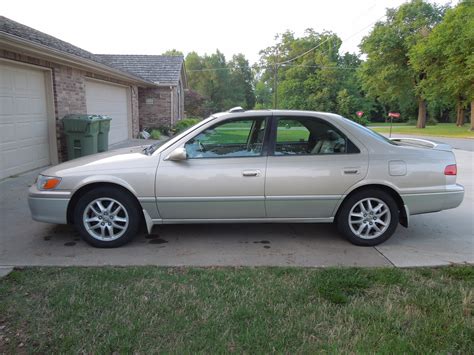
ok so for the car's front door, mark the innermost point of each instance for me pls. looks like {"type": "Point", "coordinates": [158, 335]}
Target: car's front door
{"type": "Point", "coordinates": [222, 177]}
{"type": "Point", "coordinates": [311, 165]}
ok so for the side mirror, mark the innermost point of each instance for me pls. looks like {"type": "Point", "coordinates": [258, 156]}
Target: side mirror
{"type": "Point", "coordinates": [177, 154]}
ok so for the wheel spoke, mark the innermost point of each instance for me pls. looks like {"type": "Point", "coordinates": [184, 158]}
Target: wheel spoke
{"type": "Point", "coordinates": [361, 228]}
{"type": "Point", "coordinates": [101, 206]}
{"type": "Point", "coordinates": [118, 226]}
{"type": "Point", "coordinates": [109, 207]}
{"type": "Point", "coordinates": [114, 212]}
{"type": "Point", "coordinates": [120, 219]}
{"type": "Point", "coordinates": [92, 219]}
{"type": "Point", "coordinates": [110, 230]}
{"type": "Point", "coordinates": [369, 205]}
{"type": "Point", "coordinates": [377, 208]}
{"type": "Point", "coordinates": [379, 221]}
{"type": "Point", "coordinates": [95, 226]}
{"type": "Point", "coordinates": [93, 209]}
{"type": "Point", "coordinates": [376, 227]}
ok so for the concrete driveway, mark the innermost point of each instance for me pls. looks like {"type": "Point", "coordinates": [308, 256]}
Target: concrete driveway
{"type": "Point", "coordinates": [433, 239]}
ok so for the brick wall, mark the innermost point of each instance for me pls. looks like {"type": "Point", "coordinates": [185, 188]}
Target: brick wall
{"type": "Point", "coordinates": [70, 93]}
{"type": "Point", "coordinates": [154, 107]}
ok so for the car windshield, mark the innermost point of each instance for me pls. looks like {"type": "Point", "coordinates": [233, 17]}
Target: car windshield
{"type": "Point", "coordinates": [149, 149]}
{"type": "Point", "coordinates": [164, 143]}
{"type": "Point", "coordinates": [374, 134]}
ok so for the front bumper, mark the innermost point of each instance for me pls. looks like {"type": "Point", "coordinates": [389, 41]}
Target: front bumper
{"type": "Point", "coordinates": [48, 206]}
{"type": "Point", "coordinates": [452, 197]}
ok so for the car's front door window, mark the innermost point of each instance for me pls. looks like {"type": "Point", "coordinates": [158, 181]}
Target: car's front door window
{"type": "Point", "coordinates": [234, 138]}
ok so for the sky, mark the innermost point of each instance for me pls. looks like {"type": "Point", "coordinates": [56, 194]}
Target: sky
{"type": "Point", "coordinates": [152, 27]}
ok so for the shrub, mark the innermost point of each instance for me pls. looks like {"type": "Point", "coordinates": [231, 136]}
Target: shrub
{"type": "Point", "coordinates": [185, 124]}
{"type": "Point", "coordinates": [361, 120]}
{"type": "Point", "coordinates": [166, 130]}
{"type": "Point", "coordinates": [429, 121]}
{"type": "Point", "coordinates": [155, 134]}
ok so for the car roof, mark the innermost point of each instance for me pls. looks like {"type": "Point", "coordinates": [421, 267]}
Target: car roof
{"type": "Point", "coordinates": [327, 115]}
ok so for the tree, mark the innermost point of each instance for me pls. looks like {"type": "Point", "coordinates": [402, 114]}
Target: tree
{"type": "Point", "coordinates": [173, 52]}
{"type": "Point", "coordinates": [388, 74]}
{"type": "Point", "coordinates": [263, 95]}
{"type": "Point", "coordinates": [447, 58]}
{"type": "Point", "coordinates": [311, 74]}
{"type": "Point", "coordinates": [195, 104]}
{"type": "Point", "coordinates": [241, 80]}
{"type": "Point", "coordinates": [223, 85]}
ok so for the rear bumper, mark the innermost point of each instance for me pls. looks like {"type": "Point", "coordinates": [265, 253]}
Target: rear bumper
{"type": "Point", "coordinates": [50, 207]}
{"type": "Point", "coordinates": [452, 197]}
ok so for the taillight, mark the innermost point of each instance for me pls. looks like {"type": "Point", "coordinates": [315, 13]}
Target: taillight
{"type": "Point", "coordinates": [451, 170]}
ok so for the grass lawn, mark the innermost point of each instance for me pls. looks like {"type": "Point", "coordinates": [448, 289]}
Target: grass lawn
{"type": "Point", "coordinates": [387, 124]}
{"type": "Point", "coordinates": [245, 310]}
{"type": "Point", "coordinates": [440, 130]}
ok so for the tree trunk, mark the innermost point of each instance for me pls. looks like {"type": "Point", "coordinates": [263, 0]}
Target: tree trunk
{"type": "Point", "coordinates": [421, 123]}
{"type": "Point", "coordinates": [459, 114]}
{"type": "Point", "coordinates": [472, 115]}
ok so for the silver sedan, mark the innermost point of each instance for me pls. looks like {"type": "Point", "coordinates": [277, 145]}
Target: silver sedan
{"type": "Point", "coordinates": [254, 166]}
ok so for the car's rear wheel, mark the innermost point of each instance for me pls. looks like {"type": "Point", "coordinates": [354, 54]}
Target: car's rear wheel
{"type": "Point", "coordinates": [107, 217]}
{"type": "Point", "coordinates": [368, 218]}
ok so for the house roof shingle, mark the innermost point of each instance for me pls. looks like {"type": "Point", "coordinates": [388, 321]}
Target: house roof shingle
{"type": "Point", "coordinates": [19, 30]}
{"type": "Point", "coordinates": [151, 68]}
{"type": "Point", "coordinates": [159, 69]}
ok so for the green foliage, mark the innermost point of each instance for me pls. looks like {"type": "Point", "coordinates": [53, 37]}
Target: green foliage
{"type": "Point", "coordinates": [184, 124]}
{"type": "Point", "coordinates": [447, 58]}
{"type": "Point", "coordinates": [221, 84]}
{"type": "Point", "coordinates": [165, 130]}
{"type": "Point", "coordinates": [263, 95]}
{"type": "Point", "coordinates": [321, 80]}
{"type": "Point", "coordinates": [155, 134]}
{"type": "Point", "coordinates": [173, 52]}
{"type": "Point", "coordinates": [388, 74]}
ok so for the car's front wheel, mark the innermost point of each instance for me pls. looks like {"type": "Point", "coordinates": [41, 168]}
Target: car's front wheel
{"type": "Point", "coordinates": [107, 217]}
{"type": "Point", "coordinates": [368, 218]}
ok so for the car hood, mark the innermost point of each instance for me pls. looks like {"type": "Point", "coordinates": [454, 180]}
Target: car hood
{"type": "Point", "coordinates": [114, 160]}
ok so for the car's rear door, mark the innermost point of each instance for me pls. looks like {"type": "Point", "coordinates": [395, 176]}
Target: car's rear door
{"type": "Point", "coordinates": [311, 164]}
{"type": "Point", "coordinates": [223, 176]}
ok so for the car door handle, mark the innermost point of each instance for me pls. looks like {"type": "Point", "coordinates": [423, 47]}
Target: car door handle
{"type": "Point", "coordinates": [249, 173]}
{"type": "Point", "coordinates": [351, 171]}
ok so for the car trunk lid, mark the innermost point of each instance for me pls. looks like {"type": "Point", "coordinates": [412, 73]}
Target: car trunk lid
{"type": "Point", "coordinates": [423, 143]}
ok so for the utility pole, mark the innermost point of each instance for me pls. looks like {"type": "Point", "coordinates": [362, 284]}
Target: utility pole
{"type": "Point", "coordinates": [275, 79]}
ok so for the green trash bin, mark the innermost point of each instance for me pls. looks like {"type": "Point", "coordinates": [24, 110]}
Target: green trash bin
{"type": "Point", "coordinates": [81, 135]}
{"type": "Point", "coordinates": [103, 137]}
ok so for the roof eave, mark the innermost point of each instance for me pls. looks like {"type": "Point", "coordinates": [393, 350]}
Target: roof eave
{"type": "Point", "coordinates": [16, 43]}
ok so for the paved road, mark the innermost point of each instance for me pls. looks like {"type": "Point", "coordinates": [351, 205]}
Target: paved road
{"type": "Point", "coordinates": [433, 239]}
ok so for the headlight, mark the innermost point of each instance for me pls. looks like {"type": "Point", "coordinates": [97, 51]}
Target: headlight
{"type": "Point", "coordinates": [47, 182]}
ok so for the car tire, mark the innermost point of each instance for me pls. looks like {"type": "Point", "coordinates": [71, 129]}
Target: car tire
{"type": "Point", "coordinates": [107, 217]}
{"type": "Point", "coordinates": [368, 217]}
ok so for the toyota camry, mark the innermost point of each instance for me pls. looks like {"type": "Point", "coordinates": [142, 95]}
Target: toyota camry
{"type": "Point", "coordinates": [253, 166]}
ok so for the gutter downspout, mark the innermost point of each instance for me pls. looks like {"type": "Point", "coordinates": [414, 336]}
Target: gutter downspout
{"type": "Point", "coordinates": [172, 106]}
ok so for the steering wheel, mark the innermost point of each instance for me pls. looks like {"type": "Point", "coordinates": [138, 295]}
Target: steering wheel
{"type": "Point", "coordinates": [201, 146]}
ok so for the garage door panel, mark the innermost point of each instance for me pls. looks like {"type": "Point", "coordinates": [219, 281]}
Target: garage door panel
{"type": "Point", "coordinates": [110, 100]}
{"type": "Point", "coordinates": [24, 135]}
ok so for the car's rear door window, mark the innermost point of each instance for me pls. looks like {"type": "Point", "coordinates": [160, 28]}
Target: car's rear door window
{"type": "Point", "coordinates": [309, 136]}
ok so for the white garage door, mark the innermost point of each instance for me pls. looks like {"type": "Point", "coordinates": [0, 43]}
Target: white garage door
{"type": "Point", "coordinates": [24, 142]}
{"type": "Point", "coordinates": [110, 100]}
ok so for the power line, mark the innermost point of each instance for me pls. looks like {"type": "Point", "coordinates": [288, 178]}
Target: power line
{"type": "Point", "coordinates": [328, 39]}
